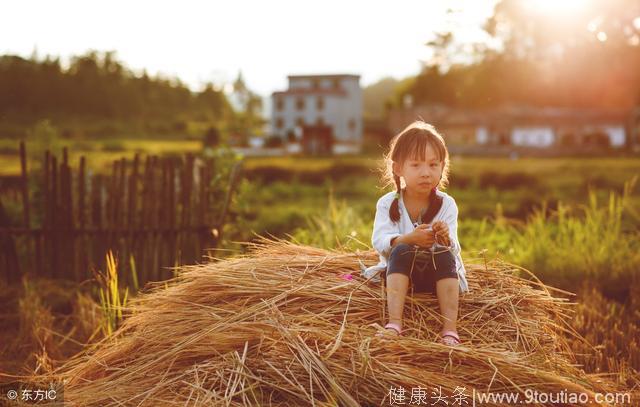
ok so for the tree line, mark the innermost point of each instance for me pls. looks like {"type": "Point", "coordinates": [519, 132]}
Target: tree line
{"type": "Point", "coordinates": [587, 57]}
{"type": "Point", "coordinates": [97, 86]}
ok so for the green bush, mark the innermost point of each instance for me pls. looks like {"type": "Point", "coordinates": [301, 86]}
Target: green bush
{"type": "Point", "coordinates": [338, 227]}
{"type": "Point", "coordinates": [507, 181]}
{"type": "Point", "coordinates": [340, 170]}
{"type": "Point", "coordinates": [267, 175]}
{"type": "Point", "coordinates": [273, 173]}
{"type": "Point", "coordinates": [114, 146]}
{"type": "Point", "coordinates": [563, 246]}
{"type": "Point", "coordinates": [312, 177]}
{"type": "Point", "coordinates": [569, 245]}
{"type": "Point", "coordinates": [273, 141]}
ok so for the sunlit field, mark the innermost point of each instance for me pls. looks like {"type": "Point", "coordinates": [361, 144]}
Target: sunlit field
{"type": "Point", "coordinates": [561, 219]}
{"type": "Point", "coordinates": [100, 154]}
{"type": "Point", "coordinates": [188, 195]}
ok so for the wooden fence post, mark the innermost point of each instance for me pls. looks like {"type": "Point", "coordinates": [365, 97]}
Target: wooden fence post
{"type": "Point", "coordinates": [164, 221]}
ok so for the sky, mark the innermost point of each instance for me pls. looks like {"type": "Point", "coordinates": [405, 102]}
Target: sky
{"type": "Point", "coordinates": [211, 41]}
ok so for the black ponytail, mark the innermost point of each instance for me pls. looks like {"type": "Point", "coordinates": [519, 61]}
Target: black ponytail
{"type": "Point", "coordinates": [394, 209]}
{"type": "Point", "coordinates": [435, 203]}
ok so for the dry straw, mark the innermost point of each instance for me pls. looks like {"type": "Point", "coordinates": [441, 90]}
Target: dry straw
{"type": "Point", "coordinates": [280, 326]}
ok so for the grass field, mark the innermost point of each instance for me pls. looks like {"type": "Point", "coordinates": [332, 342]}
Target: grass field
{"type": "Point", "coordinates": [499, 198]}
{"type": "Point", "coordinates": [482, 187]}
{"type": "Point", "coordinates": [99, 154]}
{"type": "Point", "coordinates": [566, 219]}
{"type": "Point", "coordinates": [574, 223]}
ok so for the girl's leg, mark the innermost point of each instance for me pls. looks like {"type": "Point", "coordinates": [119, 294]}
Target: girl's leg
{"type": "Point", "coordinates": [397, 287]}
{"type": "Point", "coordinates": [398, 277]}
{"type": "Point", "coordinates": [447, 293]}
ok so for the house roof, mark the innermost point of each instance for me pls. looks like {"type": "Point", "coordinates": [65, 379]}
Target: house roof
{"type": "Point", "coordinates": [327, 76]}
{"type": "Point", "coordinates": [311, 91]}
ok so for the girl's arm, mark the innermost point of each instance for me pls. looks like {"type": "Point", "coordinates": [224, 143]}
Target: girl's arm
{"type": "Point", "coordinates": [451, 219]}
{"type": "Point", "coordinates": [384, 230]}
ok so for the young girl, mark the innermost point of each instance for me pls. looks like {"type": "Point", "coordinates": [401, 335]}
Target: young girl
{"type": "Point", "coordinates": [415, 229]}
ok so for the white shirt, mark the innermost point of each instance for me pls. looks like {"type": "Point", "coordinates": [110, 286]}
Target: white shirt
{"type": "Point", "coordinates": [384, 229]}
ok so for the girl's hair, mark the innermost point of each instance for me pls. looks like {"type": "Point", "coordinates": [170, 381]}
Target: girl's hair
{"type": "Point", "coordinates": [412, 142]}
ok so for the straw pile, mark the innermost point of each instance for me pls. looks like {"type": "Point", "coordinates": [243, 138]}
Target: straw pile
{"type": "Point", "coordinates": [279, 326]}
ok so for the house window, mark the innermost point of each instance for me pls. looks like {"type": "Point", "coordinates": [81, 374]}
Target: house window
{"type": "Point", "coordinates": [352, 124]}
{"type": "Point", "coordinates": [300, 122]}
{"type": "Point", "coordinates": [279, 123]}
{"type": "Point", "coordinates": [320, 103]}
{"type": "Point", "coordinates": [315, 83]}
{"type": "Point", "coordinates": [336, 83]}
{"type": "Point", "coordinates": [279, 104]}
{"type": "Point", "coordinates": [320, 121]}
{"type": "Point", "coordinates": [300, 103]}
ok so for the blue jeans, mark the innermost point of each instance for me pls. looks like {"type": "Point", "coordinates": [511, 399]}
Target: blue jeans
{"type": "Point", "coordinates": [423, 267]}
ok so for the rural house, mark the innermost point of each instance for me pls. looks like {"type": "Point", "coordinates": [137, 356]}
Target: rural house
{"type": "Point", "coordinates": [541, 128]}
{"type": "Point", "coordinates": [321, 112]}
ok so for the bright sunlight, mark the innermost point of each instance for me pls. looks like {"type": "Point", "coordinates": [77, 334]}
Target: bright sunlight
{"type": "Point", "coordinates": [558, 6]}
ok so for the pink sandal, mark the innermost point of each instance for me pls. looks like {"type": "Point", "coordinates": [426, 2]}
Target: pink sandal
{"type": "Point", "coordinates": [390, 325]}
{"type": "Point", "coordinates": [450, 338]}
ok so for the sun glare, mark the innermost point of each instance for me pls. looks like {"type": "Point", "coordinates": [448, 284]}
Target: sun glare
{"type": "Point", "coordinates": [558, 6]}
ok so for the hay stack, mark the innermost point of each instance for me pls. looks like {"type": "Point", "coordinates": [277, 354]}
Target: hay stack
{"type": "Point", "coordinates": [280, 326]}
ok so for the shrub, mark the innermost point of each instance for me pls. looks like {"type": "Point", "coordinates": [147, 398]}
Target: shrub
{"type": "Point", "coordinates": [507, 181]}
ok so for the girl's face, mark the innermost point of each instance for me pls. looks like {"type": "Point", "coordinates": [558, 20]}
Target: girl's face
{"type": "Point", "coordinates": [420, 176]}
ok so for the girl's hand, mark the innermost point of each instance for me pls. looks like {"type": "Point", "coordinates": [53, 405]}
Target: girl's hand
{"type": "Point", "coordinates": [422, 236]}
{"type": "Point", "coordinates": [441, 230]}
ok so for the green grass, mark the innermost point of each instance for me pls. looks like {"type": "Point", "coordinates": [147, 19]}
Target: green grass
{"type": "Point", "coordinates": [563, 218]}
{"type": "Point", "coordinates": [597, 241]}
{"type": "Point", "coordinates": [112, 298]}
{"type": "Point", "coordinates": [294, 163]}
{"type": "Point", "coordinates": [339, 226]}
{"type": "Point", "coordinates": [99, 154]}
{"type": "Point", "coordinates": [563, 248]}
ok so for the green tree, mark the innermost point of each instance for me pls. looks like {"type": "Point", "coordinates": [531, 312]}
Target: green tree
{"type": "Point", "coordinates": [97, 87]}
{"type": "Point", "coordinates": [248, 118]}
{"type": "Point", "coordinates": [587, 57]}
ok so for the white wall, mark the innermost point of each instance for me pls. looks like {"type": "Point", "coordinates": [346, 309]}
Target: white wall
{"type": "Point", "coordinates": [532, 136]}
{"type": "Point", "coordinates": [338, 109]}
{"type": "Point", "coordinates": [617, 135]}
{"type": "Point", "coordinates": [482, 135]}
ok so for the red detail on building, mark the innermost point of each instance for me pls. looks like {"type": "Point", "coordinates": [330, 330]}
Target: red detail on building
{"type": "Point", "coordinates": [317, 139]}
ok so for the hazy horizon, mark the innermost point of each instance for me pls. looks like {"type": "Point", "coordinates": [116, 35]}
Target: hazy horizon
{"type": "Point", "coordinates": [266, 43]}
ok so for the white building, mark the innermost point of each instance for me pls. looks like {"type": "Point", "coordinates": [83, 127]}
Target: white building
{"type": "Point", "coordinates": [572, 129]}
{"type": "Point", "coordinates": [532, 136]}
{"type": "Point", "coordinates": [330, 100]}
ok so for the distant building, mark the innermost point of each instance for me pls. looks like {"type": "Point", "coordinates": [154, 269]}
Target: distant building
{"type": "Point", "coordinates": [314, 102]}
{"type": "Point", "coordinates": [527, 127]}
{"type": "Point", "coordinates": [317, 139]}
